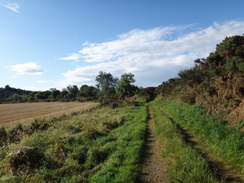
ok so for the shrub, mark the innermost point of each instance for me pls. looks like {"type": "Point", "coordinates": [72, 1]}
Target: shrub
{"type": "Point", "coordinates": [26, 157]}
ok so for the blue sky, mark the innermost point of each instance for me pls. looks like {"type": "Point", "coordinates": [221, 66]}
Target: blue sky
{"type": "Point", "coordinates": [55, 43]}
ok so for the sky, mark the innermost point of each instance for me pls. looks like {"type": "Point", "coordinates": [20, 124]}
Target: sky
{"type": "Point", "coordinates": [55, 43]}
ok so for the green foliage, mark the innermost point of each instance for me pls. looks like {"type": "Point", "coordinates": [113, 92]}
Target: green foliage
{"type": "Point", "coordinates": [42, 95]}
{"type": "Point", "coordinates": [89, 92]}
{"type": "Point", "coordinates": [192, 76]}
{"type": "Point", "coordinates": [106, 83]}
{"type": "Point", "coordinates": [214, 82]}
{"type": "Point", "coordinates": [125, 87]}
{"type": "Point", "coordinates": [9, 94]}
{"type": "Point", "coordinates": [71, 93]}
{"type": "Point", "coordinates": [148, 94]}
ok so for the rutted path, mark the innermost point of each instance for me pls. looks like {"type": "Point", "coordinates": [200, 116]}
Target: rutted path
{"type": "Point", "coordinates": [152, 169]}
{"type": "Point", "coordinates": [217, 167]}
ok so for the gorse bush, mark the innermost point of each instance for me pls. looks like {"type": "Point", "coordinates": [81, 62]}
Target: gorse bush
{"type": "Point", "coordinates": [214, 81]}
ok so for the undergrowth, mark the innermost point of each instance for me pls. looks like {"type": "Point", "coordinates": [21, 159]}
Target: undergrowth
{"type": "Point", "coordinates": [102, 145]}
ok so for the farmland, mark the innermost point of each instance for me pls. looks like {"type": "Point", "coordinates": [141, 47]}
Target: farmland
{"type": "Point", "coordinates": [107, 144]}
{"type": "Point", "coordinates": [24, 112]}
{"type": "Point", "coordinates": [177, 132]}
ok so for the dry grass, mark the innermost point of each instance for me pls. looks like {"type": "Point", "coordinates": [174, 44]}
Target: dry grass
{"type": "Point", "coordinates": [24, 112]}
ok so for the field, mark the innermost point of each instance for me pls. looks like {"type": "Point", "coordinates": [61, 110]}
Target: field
{"type": "Point", "coordinates": [160, 141]}
{"type": "Point", "coordinates": [24, 112]}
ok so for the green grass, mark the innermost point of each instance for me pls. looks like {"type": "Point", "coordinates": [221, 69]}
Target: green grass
{"type": "Point", "coordinates": [214, 137]}
{"type": "Point", "coordinates": [183, 164]}
{"type": "Point", "coordinates": [101, 145]}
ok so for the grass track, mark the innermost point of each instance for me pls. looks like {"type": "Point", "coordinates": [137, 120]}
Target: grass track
{"type": "Point", "coordinates": [183, 163]}
{"type": "Point", "coordinates": [220, 147]}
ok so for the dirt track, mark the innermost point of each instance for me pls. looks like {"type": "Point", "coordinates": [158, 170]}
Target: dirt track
{"type": "Point", "coordinates": [24, 112]}
{"type": "Point", "coordinates": [153, 169]}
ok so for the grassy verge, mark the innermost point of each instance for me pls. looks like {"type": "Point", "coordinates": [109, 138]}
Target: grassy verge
{"type": "Point", "coordinates": [183, 164]}
{"type": "Point", "coordinates": [102, 145]}
{"type": "Point", "coordinates": [214, 138]}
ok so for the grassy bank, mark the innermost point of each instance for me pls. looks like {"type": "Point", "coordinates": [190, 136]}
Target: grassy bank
{"type": "Point", "coordinates": [214, 139]}
{"type": "Point", "coordinates": [102, 145]}
{"type": "Point", "coordinates": [183, 164]}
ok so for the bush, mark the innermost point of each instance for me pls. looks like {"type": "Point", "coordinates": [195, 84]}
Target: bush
{"type": "Point", "coordinates": [27, 158]}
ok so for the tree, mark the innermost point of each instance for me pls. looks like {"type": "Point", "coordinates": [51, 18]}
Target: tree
{"type": "Point", "coordinates": [88, 91]}
{"type": "Point", "coordinates": [64, 93]}
{"type": "Point", "coordinates": [106, 83]}
{"type": "Point", "coordinates": [42, 95]}
{"type": "Point", "coordinates": [73, 90]}
{"type": "Point", "coordinates": [55, 92]}
{"type": "Point", "coordinates": [125, 87]}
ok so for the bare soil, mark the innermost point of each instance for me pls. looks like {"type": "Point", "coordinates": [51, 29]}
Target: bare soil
{"type": "Point", "coordinates": [152, 169]}
{"type": "Point", "coordinates": [24, 112]}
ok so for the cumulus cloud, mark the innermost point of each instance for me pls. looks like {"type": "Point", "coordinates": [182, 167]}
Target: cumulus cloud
{"type": "Point", "coordinates": [12, 6]}
{"type": "Point", "coordinates": [30, 68]}
{"type": "Point", "coordinates": [153, 55]}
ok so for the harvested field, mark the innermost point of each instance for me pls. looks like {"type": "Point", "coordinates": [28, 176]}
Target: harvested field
{"type": "Point", "coordinates": [24, 112]}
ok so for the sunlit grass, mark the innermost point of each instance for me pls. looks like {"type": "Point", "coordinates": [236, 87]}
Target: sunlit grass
{"type": "Point", "coordinates": [214, 137]}
{"type": "Point", "coordinates": [183, 164]}
{"type": "Point", "coordinates": [101, 145]}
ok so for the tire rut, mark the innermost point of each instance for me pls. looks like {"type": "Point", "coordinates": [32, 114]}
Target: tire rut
{"type": "Point", "coordinates": [152, 168]}
{"type": "Point", "coordinates": [216, 167]}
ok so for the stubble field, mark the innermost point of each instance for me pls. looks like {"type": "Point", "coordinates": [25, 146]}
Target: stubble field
{"type": "Point", "coordinates": [24, 112]}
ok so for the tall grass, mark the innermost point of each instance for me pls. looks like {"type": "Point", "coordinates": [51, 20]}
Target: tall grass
{"type": "Point", "coordinates": [102, 145]}
{"type": "Point", "coordinates": [183, 164]}
{"type": "Point", "coordinates": [214, 136]}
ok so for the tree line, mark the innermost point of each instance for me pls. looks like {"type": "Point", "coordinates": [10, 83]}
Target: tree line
{"type": "Point", "coordinates": [108, 88]}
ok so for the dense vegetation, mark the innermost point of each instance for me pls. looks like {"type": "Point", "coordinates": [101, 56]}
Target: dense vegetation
{"type": "Point", "coordinates": [101, 145]}
{"type": "Point", "coordinates": [71, 93]}
{"type": "Point", "coordinates": [215, 82]}
{"type": "Point", "coordinates": [107, 90]}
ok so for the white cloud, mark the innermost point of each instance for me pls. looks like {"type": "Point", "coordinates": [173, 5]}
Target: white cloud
{"type": "Point", "coordinates": [30, 68]}
{"type": "Point", "coordinates": [149, 54]}
{"type": "Point", "coordinates": [74, 56]}
{"type": "Point", "coordinates": [13, 6]}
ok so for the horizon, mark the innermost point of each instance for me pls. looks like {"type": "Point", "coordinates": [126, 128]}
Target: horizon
{"type": "Point", "coordinates": [53, 44]}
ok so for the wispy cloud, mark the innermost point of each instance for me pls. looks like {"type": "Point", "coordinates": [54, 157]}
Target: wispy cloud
{"type": "Point", "coordinates": [12, 6]}
{"type": "Point", "coordinates": [149, 54]}
{"type": "Point", "coordinates": [73, 56]}
{"type": "Point", "coordinates": [30, 68]}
